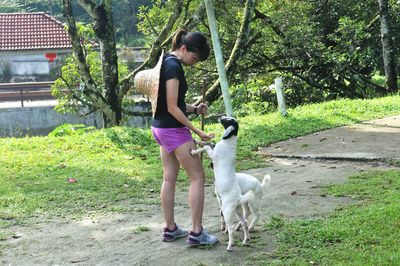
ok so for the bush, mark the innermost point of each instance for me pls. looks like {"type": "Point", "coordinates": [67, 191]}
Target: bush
{"type": "Point", "coordinates": [70, 129]}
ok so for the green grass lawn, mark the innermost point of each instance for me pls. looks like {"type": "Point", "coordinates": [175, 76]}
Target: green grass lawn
{"type": "Point", "coordinates": [365, 234]}
{"type": "Point", "coordinates": [119, 164]}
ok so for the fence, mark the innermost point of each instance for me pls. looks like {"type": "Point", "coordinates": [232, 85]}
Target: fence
{"type": "Point", "coordinates": [40, 120]}
{"type": "Point", "coordinates": [25, 91]}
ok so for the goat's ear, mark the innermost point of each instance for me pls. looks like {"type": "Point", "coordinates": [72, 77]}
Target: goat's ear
{"type": "Point", "coordinates": [228, 132]}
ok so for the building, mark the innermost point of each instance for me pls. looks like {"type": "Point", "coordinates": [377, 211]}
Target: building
{"type": "Point", "coordinates": [31, 46]}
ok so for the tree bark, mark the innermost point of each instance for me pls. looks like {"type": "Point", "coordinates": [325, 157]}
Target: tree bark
{"type": "Point", "coordinates": [389, 59]}
{"type": "Point", "coordinates": [91, 89]}
{"type": "Point", "coordinates": [104, 30]}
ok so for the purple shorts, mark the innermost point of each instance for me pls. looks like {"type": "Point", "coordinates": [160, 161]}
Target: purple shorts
{"type": "Point", "coordinates": [171, 138]}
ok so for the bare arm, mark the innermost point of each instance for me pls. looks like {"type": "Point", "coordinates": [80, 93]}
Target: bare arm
{"type": "Point", "coordinates": [172, 86]}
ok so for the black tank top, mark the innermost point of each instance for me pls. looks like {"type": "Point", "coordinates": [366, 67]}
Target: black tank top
{"type": "Point", "coordinates": [171, 68]}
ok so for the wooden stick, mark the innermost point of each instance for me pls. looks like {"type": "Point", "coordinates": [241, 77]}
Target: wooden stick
{"type": "Point", "coordinates": [203, 100]}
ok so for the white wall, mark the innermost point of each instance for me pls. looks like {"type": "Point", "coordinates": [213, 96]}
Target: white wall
{"type": "Point", "coordinates": [28, 64]}
{"type": "Point", "coordinates": [39, 121]}
{"type": "Point", "coordinates": [17, 122]}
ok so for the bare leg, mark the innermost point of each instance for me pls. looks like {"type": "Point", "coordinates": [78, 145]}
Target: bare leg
{"type": "Point", "coordinates": [195, 171]}
{"type": "Point", "coordinates": [171, 169]}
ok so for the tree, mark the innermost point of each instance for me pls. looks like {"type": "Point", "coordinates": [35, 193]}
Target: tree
{"type": "Point", "coordinates": [323, 49]}
{"type": "Point", "coordinates": [9, 6]}
{"type": "Point", "coordinates": [108, 94]}
{"type": "Point", "coordinates": [388, 50]}
{"type": "Point", "coordinates": [103, 97]}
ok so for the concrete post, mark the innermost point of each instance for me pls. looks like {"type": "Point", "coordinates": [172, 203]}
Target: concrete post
{"type": "Point", "coordinates": [280, 95]}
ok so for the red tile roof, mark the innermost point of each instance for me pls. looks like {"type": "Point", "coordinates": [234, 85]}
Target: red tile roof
{"type": "Point", "coordinates": [31, 31]}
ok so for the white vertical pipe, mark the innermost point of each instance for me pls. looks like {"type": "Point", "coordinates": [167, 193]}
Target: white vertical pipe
{"type": "Point", "coordinates": [223, 80]}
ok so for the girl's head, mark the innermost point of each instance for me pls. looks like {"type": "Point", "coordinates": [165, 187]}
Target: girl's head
{"type": "Point", "coordinates": [192, 46]}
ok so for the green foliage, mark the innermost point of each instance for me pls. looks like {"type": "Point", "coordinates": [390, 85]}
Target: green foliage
{"type": "Point", "coordinates": [324, 50]}
{"type": "Point", "coordinates": [124, 14]}
{"type": "Point", "coordinates": [10, 6]}
{"type": "Point", "coordinates": [68, 88]}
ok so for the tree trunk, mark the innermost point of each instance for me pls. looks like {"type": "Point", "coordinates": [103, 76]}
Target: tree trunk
{"type": "Point", "coordinates": [104, 29]}
{"type": "Point", "coordinates": [90, 88]}
{"type": "Point", "coordinates": [389, 59]}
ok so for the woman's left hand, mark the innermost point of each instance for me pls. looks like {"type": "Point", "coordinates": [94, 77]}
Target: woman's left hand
{"type": "Point", "coordinates": [202, 109]}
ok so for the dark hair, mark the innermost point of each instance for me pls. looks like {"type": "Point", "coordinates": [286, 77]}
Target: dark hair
{"type": "Point", "coordinates": [195, 42]}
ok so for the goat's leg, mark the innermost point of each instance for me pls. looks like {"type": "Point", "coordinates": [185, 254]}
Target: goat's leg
{"type": "Point", "coordinates": [230, 236]}
{"type": "Point", "coordinates": [243, 222]}
{"type": "Point", "coordinates": [246, 213]}
{"type": "Point", "coordinates": [222, 220]}
{"type": "Point", "coordinates": [256, 215]}
{"type": "Point", "coordinates": [197, 151]}
{"type": "Point", "coordinates": [208, 149]}
{"type": "Point", "coordinates": [229, 214]}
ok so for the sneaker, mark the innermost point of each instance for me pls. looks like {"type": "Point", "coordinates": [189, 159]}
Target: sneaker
{"type": "Point", "coordinates": [203, 239]}
{"type": "Point", "coordinates": [169, 236]}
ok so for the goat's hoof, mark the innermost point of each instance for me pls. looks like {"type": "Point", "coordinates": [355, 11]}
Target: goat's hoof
{"type": "Point", "coordinates": [229, 249]}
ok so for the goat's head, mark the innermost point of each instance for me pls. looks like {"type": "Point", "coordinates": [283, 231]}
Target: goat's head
{"type": "Point", "coordinates": [231, 126]}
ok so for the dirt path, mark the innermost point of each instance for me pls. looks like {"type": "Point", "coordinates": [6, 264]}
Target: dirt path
{"type": "Point", "coordinates": [112, 240]}
{"type": "Point", "coordinates": [295, 193]}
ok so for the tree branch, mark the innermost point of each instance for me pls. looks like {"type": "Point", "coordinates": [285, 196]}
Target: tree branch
{"type": "Point", "coordinates": [238, 49]}
{"type": "Point", "coordinates": [268, 20]}
{"type": "Point", "coordinates": [78, 50]}
{"type": "Point", "coordinates": [127, 83]}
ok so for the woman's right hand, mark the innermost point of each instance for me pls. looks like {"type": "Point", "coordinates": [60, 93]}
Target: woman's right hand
{"type": "Point", "coordinates": [205, 137]}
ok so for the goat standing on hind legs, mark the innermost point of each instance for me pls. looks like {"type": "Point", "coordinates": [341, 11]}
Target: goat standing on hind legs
{"type": "Point", "coordinates": [226, 184]}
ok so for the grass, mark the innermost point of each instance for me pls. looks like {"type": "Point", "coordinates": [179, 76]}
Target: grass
{"type": "Point", "coordinates": [108, 165]}
{"type": "Point", "coordinates": [112, 165]}
{"type": "Point", "coordinates": [116, 168]}
{"type": "Point", "coordinates": [141, 228]}
{"type": "Point", "coordinates": [364, 234]}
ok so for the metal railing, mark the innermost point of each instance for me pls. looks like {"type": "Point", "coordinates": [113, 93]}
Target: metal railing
{"type": "Point", "coordinates": [24, 91]}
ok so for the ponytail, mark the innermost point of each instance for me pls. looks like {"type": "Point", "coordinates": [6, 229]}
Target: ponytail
{"type": "Point", "coordinates": [195, 42]}
{"type": "Point", "coordinates": [178, 39]}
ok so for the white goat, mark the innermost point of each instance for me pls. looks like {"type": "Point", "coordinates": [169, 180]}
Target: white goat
{"type": "Point", "coordinates": [226, 184]}
{"type": "Point", "coordinates": [248, 182]}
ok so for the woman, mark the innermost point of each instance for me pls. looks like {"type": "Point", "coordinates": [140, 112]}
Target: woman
{"type": "Point", "coordinates": [172, 130]}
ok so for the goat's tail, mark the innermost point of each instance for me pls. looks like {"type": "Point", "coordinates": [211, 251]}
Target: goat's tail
{"type": "Point", "coordinates": [266, 182]}
{"type": "Point", "coordinates": [249, 196]}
